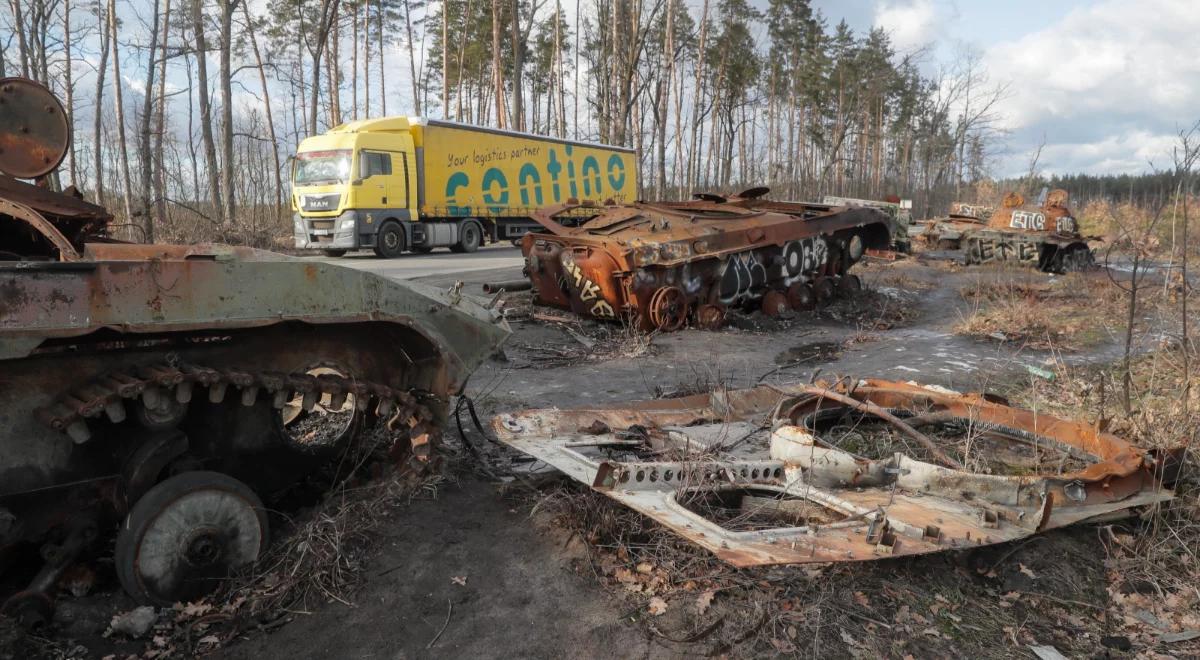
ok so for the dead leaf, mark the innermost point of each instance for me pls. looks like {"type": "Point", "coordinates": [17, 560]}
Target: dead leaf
{"type": "Point", "coordinates": [645, 568]}
{"type": "Point", "coordinates": [1025, 571]}
{"type": "Point", "coordinates": [210, 639]}
{"type": "Point", "coordinates": [657, 606]}
{"type": "Point", "coordinates": [862, 599]}
{"type": "Point", "coordinates": [704, 600]}
{"type": "Point", "coordinates": [460, 580]}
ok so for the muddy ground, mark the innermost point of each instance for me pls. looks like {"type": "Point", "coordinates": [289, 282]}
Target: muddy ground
{"type": "Point", "coordinates": [484, 569]}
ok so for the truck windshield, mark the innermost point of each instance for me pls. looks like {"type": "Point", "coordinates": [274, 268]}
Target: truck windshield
{"type": "Point", "coordinates": [314, 167]}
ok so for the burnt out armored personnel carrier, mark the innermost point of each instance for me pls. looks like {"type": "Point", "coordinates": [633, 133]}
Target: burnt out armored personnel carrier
{"type": "Point", "coordinates": [666, 264]}
{"type": "Point", "coordinates": [1045, 235]}
{"type": "Point", "coordinates": [162, 392]}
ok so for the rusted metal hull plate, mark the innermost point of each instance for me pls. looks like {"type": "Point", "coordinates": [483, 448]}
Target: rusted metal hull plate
{"type": "Point", "coordinates": [785, 492]}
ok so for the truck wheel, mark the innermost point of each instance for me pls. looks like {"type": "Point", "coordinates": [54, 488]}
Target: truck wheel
{"type": "Point", "coordinates": [186, 535]}
{"type": "Point", "coordinates": [469, 239]}
{"type": "Point", "coordinates": [389, 244]}
{"type": "Point", "coordinates": [334, 253]}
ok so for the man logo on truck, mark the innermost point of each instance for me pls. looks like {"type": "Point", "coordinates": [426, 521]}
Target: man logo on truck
{"type": "Point", "coordinates": [429, 184]}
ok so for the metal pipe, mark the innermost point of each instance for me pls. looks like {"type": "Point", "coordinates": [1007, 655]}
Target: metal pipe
{"type": "Point", "coordinates": [508, 285]}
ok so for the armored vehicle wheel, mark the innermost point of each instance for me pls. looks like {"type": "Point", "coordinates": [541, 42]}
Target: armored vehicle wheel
{"type": "Point", "coordinates": [668, 308]}
{"type": "Point", "coordinates": [187, 534]}
{"type": "Point", "coordinates": [334, 253]}
{"type": "Point", "coordinates": [774, 304]}
{"type": "Point", "coordinates": [849, 284]}
{"type": "Point", "coordinates": [389, 244]}
{"type": "Point", "coordinates": [470, 238]}
{"type": "Point", "coordinates": [824, 290]}
{"type": "Point", "coordinates": [710, 317]}
{"type": "Point", "coordinates": [800, 296]}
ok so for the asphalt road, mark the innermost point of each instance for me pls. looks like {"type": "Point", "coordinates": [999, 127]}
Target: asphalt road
{"type": "Point", "coordinates": [441, 263]}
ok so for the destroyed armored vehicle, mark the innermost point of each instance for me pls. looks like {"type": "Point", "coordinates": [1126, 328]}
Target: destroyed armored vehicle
{"type": "Point", "coordinates": [665, 264]}
{"type": "Point", "coordinates": [1045, 236]}
{"type": "Point", "coordinates": [853, 471]}
{"type": "Point", "coordinates": [899, 210]}
{"type": "Point", "coordinates": [162, 392]}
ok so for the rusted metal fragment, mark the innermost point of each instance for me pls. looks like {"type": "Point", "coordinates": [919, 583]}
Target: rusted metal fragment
{"type": "Point", "coordinates": [774, 475]}
{"type": "Point", "coordinates": [1045, 236]}
{"type": "Point", "coordinates": [666, 264]}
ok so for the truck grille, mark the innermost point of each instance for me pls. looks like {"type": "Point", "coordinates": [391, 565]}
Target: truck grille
{"type": "Point", "coordinates": [322, 224]}
{"type": "Point", "coordinates": [320, 202]}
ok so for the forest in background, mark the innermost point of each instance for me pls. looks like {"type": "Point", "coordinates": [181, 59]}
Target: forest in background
{"type": "Point", "coordinates": [187, 111]}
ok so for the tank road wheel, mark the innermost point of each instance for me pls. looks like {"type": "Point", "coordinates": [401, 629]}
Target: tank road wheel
{"type": "Point", "coordinates": [774, 304]}
{"type": "Point", "coordinates": [389, 244]}
{"type": "Point", "coordinates": [824, 290]}
{"type": "Point", "coordinates": [710, 317]}
{"type": "Point", "coordinates": [334, 253]}
{"type": "Point", "coordinates": [668, 309]}
{"type": "Point", "coordinates": [187, 534]}
{"type": "Point", "coordinates": [800, 297]}
{"type": "Point", "coordinates": [849, 284]}
{"type": "Point", "coordinates": [469, 239]}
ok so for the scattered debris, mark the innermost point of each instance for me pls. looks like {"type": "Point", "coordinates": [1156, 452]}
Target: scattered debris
{"type": "Point", "coordinates": [136, 622]}
{"type": "Point", "coordinates": [853, 471]}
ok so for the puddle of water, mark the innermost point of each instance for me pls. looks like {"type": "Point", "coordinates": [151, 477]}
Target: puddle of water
{"type": "Point", "coordinates": [816, 352]}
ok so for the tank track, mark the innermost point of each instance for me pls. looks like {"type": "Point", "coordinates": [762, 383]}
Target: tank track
{"type": "Point", "coordinates": [108, 395]}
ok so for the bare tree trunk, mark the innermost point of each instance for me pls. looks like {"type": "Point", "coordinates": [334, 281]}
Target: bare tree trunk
{"type": "Point", "coordinates": [145, 145]}
{"type": "Point", "coordinates": [693, 157]}
{"type": "Point", "coordinates": [121, 144]}
{"type": "Point", "coordinates": [446, 60]}
{"type": "Point", "coordinates": [70, 89]}
{"type": "Point", "coordinates": [22, 42]}
{"type": "Point", "coordinates": [558, 78]}
{"type": "Point", "coordinates": [412, 58]}
{"type": "Point", "coordinates": [518, 54]}
{"type": "Point", "coordinates": [353, 60]}
{"type": "Point", "coordinates": [382, 79]}
{"type": "Point", "coordinates": [497, 73]}
{"type": "Point", "coordinates": [97, 142]}
{"type": "Point", "coordinates": [366, 60]}
{"type": "Point", "coordinates": [159, 175]}
{"type": "Point", "coordinates": [226, 82]}
{"type": "Point", "coordinates": [206, 130]}
{"type": "Point", "coordinates": [262, 78]}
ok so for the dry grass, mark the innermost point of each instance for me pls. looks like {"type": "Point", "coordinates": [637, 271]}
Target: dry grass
{"type": "Point", "coordinates": [1151, 575]}
{"type": "Point", "coordinates": [1067, 313]}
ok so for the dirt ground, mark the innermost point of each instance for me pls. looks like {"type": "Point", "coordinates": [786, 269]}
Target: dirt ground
{"type": "Point", "coordinates": [487, 571]}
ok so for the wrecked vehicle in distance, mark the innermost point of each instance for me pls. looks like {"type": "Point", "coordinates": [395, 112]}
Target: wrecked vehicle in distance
{"type": "Point", "coordinates": [854, 471]}
{"type": "Point", "coordinates": [665, 264]}
{"type": "Point", "coordinates": [168, 390]}
{"type": "Point", "coordinates": [1045, 236]}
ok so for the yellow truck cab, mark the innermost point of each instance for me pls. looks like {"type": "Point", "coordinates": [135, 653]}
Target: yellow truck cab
{"type": "Point", "coordinates": [401, 184]}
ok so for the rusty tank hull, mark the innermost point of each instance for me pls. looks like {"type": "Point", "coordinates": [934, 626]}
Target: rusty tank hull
{"type": "Point", "coordinates": [162, 393]}
{"type": "Point", "coordinates": [664, 265]}
{"type": "Point", "coordinates": [1046, 237]}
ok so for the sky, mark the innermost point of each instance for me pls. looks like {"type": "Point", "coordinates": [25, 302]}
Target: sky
{"type": "Point", "coordinates": [1108, 84]}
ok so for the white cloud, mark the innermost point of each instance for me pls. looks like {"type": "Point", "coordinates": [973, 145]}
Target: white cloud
{"type": "Point", "coordinates": [911, 24]}
{"type": "Point", "coordinates": [1132, 151]}
{"type": "Point", "coordinates": [1115, 58]}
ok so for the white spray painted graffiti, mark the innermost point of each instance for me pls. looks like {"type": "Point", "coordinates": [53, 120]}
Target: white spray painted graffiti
{"type": "Point", "coordinates": [744, 274]}
{"type": "Point", "coordinates": [1028, 220]}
